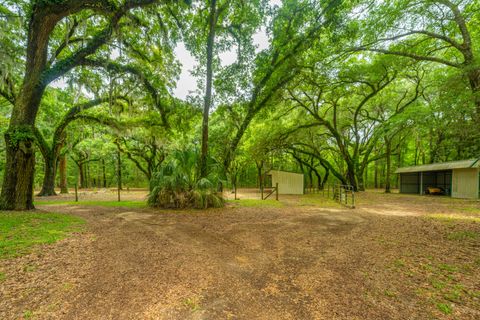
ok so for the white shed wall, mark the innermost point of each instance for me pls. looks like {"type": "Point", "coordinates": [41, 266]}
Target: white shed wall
{"type": "Point", "coordinates": [465, 183]}
{"type": "Point", "coordinates": [288, 182]}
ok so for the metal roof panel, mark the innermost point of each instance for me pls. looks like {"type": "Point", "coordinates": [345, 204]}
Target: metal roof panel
{"type": "Point", "coordinates": [462, 164]}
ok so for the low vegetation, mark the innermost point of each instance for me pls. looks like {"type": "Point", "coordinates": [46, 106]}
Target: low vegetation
{"type": "Point", "coordinates": [99, 203]}
{"type": "Point", "coordinates": [20, 231]}
{"type": "Point", "coordinates": [178, 186]}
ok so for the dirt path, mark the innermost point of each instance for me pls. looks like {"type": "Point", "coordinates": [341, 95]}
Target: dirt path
{"type": "Point", "coordinates": [300, 262]}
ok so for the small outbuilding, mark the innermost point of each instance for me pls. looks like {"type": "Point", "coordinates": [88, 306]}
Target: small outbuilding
{"type": "Point", "coordinates": [288, 182]}
{"type": "Point", "coordinates": [458, 179]}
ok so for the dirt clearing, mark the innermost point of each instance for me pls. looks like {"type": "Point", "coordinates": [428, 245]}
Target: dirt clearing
{"type": "Point", "coordinates": [395, 257]}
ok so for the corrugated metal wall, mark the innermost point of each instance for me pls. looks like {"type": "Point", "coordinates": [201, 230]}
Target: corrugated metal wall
{"type": "Point", "coordinates": [465, 183]}
{"type": "Point", "coordinates": [288, 182]}
{"type": "Point", "coordinates": [410, 183]}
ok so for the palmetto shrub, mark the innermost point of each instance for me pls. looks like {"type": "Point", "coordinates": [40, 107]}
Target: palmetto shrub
{"type": "Point", "coordinates": [176, 184]}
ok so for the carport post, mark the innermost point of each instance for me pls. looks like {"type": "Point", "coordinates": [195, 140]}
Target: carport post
{"type": "Point", "coordinates": [421, 183]}
{"type": "Point", "coordinates": [276, 191]}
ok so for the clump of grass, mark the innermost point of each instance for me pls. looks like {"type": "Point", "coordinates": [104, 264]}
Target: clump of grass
{"type": "Point", "coordinates": [192, 304]}
{"type": "Point", "coordinates": [123, 204]}
{"type": "Point", "coordinates": [399, 263]}
{"type": "Point", "coordinates": [444, 308]}
{"type": "Point", "coordinates": [389, 293]}
{"type": "Point", "coordinates": [27, 314]}
{"type": "Point", "coordinates": [19, 231]}
{"type": "Point", "coordinates": [257, 203]}
{"type": "Point", "coordinates": [3, 276]}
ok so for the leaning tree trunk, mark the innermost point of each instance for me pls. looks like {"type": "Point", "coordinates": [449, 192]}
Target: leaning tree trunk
{"type": "Point", "coordinates": [63, 174]}
{"type": "Point", "coordinates": [48, 186]}
{"type": "Point", "coordinates": [325, 178]}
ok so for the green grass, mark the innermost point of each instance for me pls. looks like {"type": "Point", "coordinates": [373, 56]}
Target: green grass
{"type": "Point", "coordinates": [444, 308]}
{"type": "Point", "coordinates": [3, 276]}
{"type": "Point", "coordinates": [452, 218]}
{"type": "Point", "coordinates": [462, 235]}
{"type": "Point", "coordinates": [20, 231]}
{"type": "Point", "coordinates": [99, 203]}
{"type": "Point", "coordinates": [256, 203]}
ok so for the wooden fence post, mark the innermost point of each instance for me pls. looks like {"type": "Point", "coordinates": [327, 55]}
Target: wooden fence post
{"type": "Point", "coordinates": [276, 191]}
{"type": "Point", "coordinates": [76, 193]}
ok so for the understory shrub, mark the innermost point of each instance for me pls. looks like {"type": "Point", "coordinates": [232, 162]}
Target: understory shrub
{"type": "Point", "coordinates": [176, 184]}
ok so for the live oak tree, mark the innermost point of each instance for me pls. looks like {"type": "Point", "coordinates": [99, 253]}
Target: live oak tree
{"type": "Point", "coordinates": [443, 32]}
{"type": "Point", "coordinates": [218, 26]}
{"type": "Point", "coordinates": [52, 152]}
{"type": "Point", "coordinates": [293, 29]}
{"type": "Point", "coordinates": [44, 63]}
{"type": "Point", "coordinates": [342, 91]}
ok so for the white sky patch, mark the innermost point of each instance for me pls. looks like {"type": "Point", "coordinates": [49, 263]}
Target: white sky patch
{"type": "Point", "coordinates": [187, 83]}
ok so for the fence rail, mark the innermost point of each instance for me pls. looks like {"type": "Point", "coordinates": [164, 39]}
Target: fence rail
{"type": "Point", "coordinates": [274, 190]}
{"type": "Point", "coordinates": [343, 194]}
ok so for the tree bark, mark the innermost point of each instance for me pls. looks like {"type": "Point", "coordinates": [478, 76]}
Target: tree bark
{"type": "Point", "coordinates": [104, 174]}
{"type": "Point", "coordinates": [17, 190]}
{"type": "Point", "coordinates": [208, 90]}
{"type": "Point", "coordinates": [63, 174]}
{"type": "Point", "coordinates": [81, 175]}
{"type": "Point", "coordinates": [48, 186]}
{"type": "Point", "coordinates": [388, 151]}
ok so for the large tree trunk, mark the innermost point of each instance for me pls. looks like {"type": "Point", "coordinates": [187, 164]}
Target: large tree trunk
{"type": "Point", "coordinates": [208, 90]}
{"type": "Point", "coordinates": [63, 174]}
{"type": "Point", "coordinates": [325, 178]}
{"type": "Point", "coordinates": [81, 175]}
{"type": "Point", "coordinates": [48, 186]}
{"type": "Point", "coordinates": [360, 181]}
{"type": "Point", "coordinates": [351, 176]}
{"type": "Point", "coordinates": [17, 189]}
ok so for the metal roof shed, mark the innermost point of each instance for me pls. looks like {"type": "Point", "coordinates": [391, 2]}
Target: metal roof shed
{"type": "Point", "coordinates": [288, 182]}
{"type": "Point", "coordinates": [460, 179]}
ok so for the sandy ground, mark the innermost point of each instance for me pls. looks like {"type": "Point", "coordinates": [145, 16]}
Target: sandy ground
{"type": "Point", "coordinates": [394, 257]}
